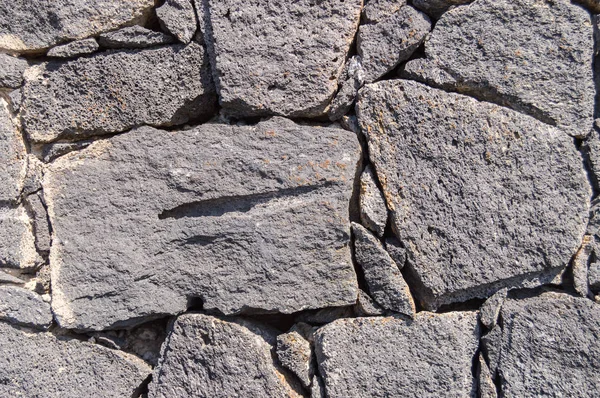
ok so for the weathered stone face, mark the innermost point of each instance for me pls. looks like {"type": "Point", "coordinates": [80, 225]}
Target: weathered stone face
{"type": "Point", "coordinates": [116, 91]}
{"type": "Point", "coordinates": [482, 197]}
{"type": "Point", "coordinates": [178, 18]}
{"type": "Point", "coordinates": [17, 243]}
{"type": "Point", "coordinates": [247, 218]}
{"type": "Point", "coordinates": [13, 157]}
{"type": "Point", "coordinates": [385, 357]}
{"type": "Point", "coordinates": [74, 49]}
{"type": "Point", "coordinates": [11, 71]}
{"type": "Point", "coordinates": [134, 37]}
{"type": "Point", "coordinates": [435, 8]}
{"type": "Point", "coordinates": [24, 307]}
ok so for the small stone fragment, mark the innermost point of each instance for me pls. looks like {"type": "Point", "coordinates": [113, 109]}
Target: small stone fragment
{"type": "Point", "coordinates": [378, 10]}
{"type": "Point", "coordinates": [373, 210]}
{"type": "Point", "coordinates": [488, 313]}
{"type": "Point", "coordinates": [421, 70]}
{"type": "Point", "coordinates": [74, 49]}
{"type": "Point", "coordinates": [134, 37]}
{"type": "Point", "coordinates": [13, 156]}
{"type": "Point", "coordinates": [11, 71]}
{"type": "Point", "coordinates": [396, 251]}
{"type": "Point", "coordinates": [295, 353]}
{"type": "Point", "coordinates": [52, 151]}
{"type": "Point", "coordinates": [178, 18]}
{"type": "Point", "coordinates": [163, 87]}
{"type": "Point", "coordinates": [580, 265]}
{"type": "Point", "coordinates": [5, 277]}
{"type": "Point", "coordinates": [431, 356]}
{"type": "Point", "coordinates": [490, 348]}
{"type": "Point", "coordinates": [344, 99]}
{"type": "Point", "coordinates": [435, 8]}
{"type": "Point", "coordinates": [24, 307]}
{"type": "Point", "coordinates": [384, 280]}
{"type": "Point", "coordinates": [384, 45]}
{"type": "Point", "coordinates": [366, 306]}
{"type": "Point", "coordinates": [39, 218]}
{"type": "Point", "coordinates": [594, 277]}
{"type": "Point", "coordinates": [317, 389]}
{"type": "Point", "coordinates": [17, 244]}
{"type": "Point", "coordinates": [205, 356]}
{"type": "Point", "coordinates": [487, 388]}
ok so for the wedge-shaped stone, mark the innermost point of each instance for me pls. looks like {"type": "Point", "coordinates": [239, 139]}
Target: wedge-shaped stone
{"type": "Point", "coordinates": [113, 92]}
{"type": "Point", "coordinates": [27, 26]}
{"type": "Point", "coordinates": [178, 18]}
{"type": "Point", "coordinates": [42, 365]}
{"type": "Point", "coordinates": [480, 196]}
{"type": "Point", "coordinates": [248, 219]}
{"type": "Point", "coordinates": [548, 346]}
{"type": "Point", "coordinates": [534, 56]}
{"type": "Point", "coordinates": [13, 156]}
{"type": "Point", "coordinates": [278, 57]}
{"type": "Point", "coordinates": [205, 356]}
{"type": "Point", "coordinates": [134, 37]}
{"type": "Point", "coordinates": [431, 356]}
{"type": "Point", "coordinates": [17, 242]}
{"type": "Point", "coordinates": [74, 49]}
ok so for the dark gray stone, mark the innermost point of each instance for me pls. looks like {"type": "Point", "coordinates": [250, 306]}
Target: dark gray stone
{"type": "Point", "coordinates": [396, 251]}
{"type": "Point", "coordinates": [366, 306]}
{"type": "Point", "coordinates": [385, 44]}
{"type": "Point", "coordinates": [352, 82]}
{"type": "Point", "coordinates": [533, 56]}
{"type": "Point", "coordinates": [206, 356]}
{"type": "Point", "coordinates": [487, 388]}
{"type": "Point", "coordinates": [74, 49]}
{"type": "Point", "coordinates": [489, 311]}
{"type": "Point", "coordinates": [393, 357]}
{"type": "Point", "coordinates": [378, 10]}
{"type": "Point", "coordinates": [113, 92]}
{"type": "Point", "coordinates": [247, 218]}
{"type": "Point", "coordinates": [13, 156]}
{"type": "Point", "coordinates": [178, 18]}
{"type": "Point", "coordinates": [42, 365]}
{"type": "Point", "coordinates": [477, 193]}
{"type": "Point", "coordinates": [384, 280]}
{"type": "Point", "coordinates": [39, 218]}
{"type": "Point", "coordinates": [55, 150]}
{"type": "Point", "coordinates": [592, 5]}
{"type": "Point", "coordinates": [24, 307]}
{"type": "Point", "coordinates": [490, 348]}
{"type": "Point", "coordinates": [17, 244]}
{"type": "Point", "coordinates": [32, 27]}
{"type": "Point", "coordinates": [134, 37]}
{"type": "Point", "coordinates": [594, 277]}
{"type": "Point", "coordinates": [295, 353]}
{"type": "Point", "coordinates": [277, 57]}
{"type": "Point", "coordinates": [326, 315]}
{"type": "Point", "coordinates": [435, 8]}
{"type": "Point", "coordinates": [373, 211]}
{"type": "Point", "coordinates": [11, 71]}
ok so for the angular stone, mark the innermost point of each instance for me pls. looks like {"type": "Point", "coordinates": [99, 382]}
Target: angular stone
{"type": "Point", "coordinates": [532, 56]}
{"type": "Point", "coordinates": [549, 346]}
{"type": "Point", "coordinates": [13, 156]}
{"type": "Point", "coordinates": [393, 357]}
{"type": "Point", "coordinates": [247, 218]}
{"type": "Point", "coordinates": [117, 91]}
{"type": "Point", "coordinates": [39, 219]}
{"type": "Point", "coordinates": [27, 26]}
{"type": "Point", "coordinates": [344, 99]}
{"type": "Point", "coordinates": [74, 49]}
{"type": "Point", "coordinates": [11, 71]}
{"type": "Point", "coordinates": [378, 10]}
{"type": "Point", "coordinates": [489, 311]}
{"type": "Point", "coordinates": [594, 277]}
{"type": "Point", "coordinates": [373, 211]}
{"type": "Point", "coordinates": [134, 37]}
{"type": "Point", "coordinates": [317, 389]}
{"type": "Point", "coordinates": [581, 261]}
{"type": "Point", "coordinates": [24, 307]}
{"type": "Point", "coordinates": [384, 45]}
{"type": "Point", "coordinates": [206, 356]}
{"type": "Point", "coordinates": [384, 280]}
{"type": "Point", "coordinates": [435, 8]}
{"type": "Point", "coordinates": [366, 306]}
{"type": "Point", "coordinates": [178, 18]}
{"type": "Point", "coordinates": [295, 353]}
{"type": "Point", "coordinates": [487, 388]}
{"type": "Point", "coordinates": [42, 365]}
{"type": "Point", "coordinates": [477, 193]}
{"type": "Point", "coordinates": [17, 244]}
{"type": "Point", "coordinates": [396, 251]}
{"type": "Point", "coordinates": [5, 277]}
{"type": "Point", "coordinates": [277, 57]}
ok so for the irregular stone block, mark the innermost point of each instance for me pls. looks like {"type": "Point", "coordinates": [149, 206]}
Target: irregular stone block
{"type": "Point", "coordinates": [581, 261]}
{"type": "Point", "coordinates": [393, 357]}
{"type": "Point", "coordinates": [42, 365]}
{"type": "Point", "coordinates": [384, 45]}
{"type": "Point", "coordinates": [247, 218]}
{"type": "Point", "coordinates": [396, 251]}
{"type": "Point", "coordinates": [134, 37]}
{"type": "Point", "coordinates": [178, 18]}
{"type": "Point", "coordinates": [295, 353]}
{"type": "Point", "coordinates": [74, 49]}
{"type": "Point", "coordinates": [532, 56]}
{"type": "Point", "coordinates": [378, 10]}
{"type": "Point", "coordinates": [344, 99]}
{"type": "Point", "coordinates": [13, 156]}
{"type": "Point", "coordinates": [384, 280]}
{"type": "Point", "coordinates": [277, 57]}
{"type": "Point", "coordinates": [211, 357]}
{"type": "Point", "coordinates": [117, 91]}
{"type": "Point", "coordinates": [17, 244]}
{"type": "Point", "coordinates": [28, 27]}
{"type": "Point", "coordinates": [366, 306]}
{"type": "Point", "coordinates": [39, 219]}
{"type": "Point", "coordinates": [477, 193]}
{"type": "Point", "coordinates": [435, 8]}
{"type": "Point", "coordinates": [373, 211]}
{"type": "Point", "coordinates": [24, 307]}
{"type": "Point", "coordinates": [11, 71]}
{"type": "Point", "coordinates": [487, 388]}
{"type": "Point", "coordinates": [489, 311]}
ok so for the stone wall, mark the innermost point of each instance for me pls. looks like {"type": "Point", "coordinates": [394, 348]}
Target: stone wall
{"type": "Point", "coordinates": [308, 198]}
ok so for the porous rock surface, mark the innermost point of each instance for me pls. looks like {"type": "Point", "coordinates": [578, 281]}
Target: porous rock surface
{"type": "Point", "coordinates": [13, 156]}
{"type": "Point", "coordinates": [24, 307]}
{"type": "Point", "coordinates": [73, 49]}
{"type": "Point", "coordinates": [134, 37]}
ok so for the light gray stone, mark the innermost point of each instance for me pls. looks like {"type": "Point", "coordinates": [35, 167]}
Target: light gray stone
{"type": "Point", "coordinates": [295, 353]}
{"type": "Point", "coordinates": [24, 307]}
{"type": "Point", "coordinates": [378, 10]}
{"type": "Point", "coordinates": [11, 71]}
{"type": "Point", "coordinates": [594, 277]}
{"type": "Point", "coordinates": [74, 49]}
{"type": "Point", "coordinates": [384, 280]}
{"type": "Point", "coordinates": [352, 82]}
{"type": "Point", "coordinates": [392, 357]}
{"type": "Point", "coordinates": [134, 37]}
{"type": "Point", "coordinates": [17, 243]}
{"type": "Point", "coordinates": [532, 56]}
{"type": "Point", "coordinates": [478, 194]}
{"type": "Point", "coordinates": [366, 306]}
{"type": "Point", "coordinates": [487, 388]}
{"type": "Point", "coordinates": [42, 365]}
{"type": "Point", "coordinates": [206, 356]}
{"type": "Point", "coordinates": [113, 92]}
{"type": "Point", "coordinates": [317, 389]}
{"type": "Point", "coordinates": [246, 218]}
{"type": "Point", "coordinates": [373, 211]}
{"type": "Point", "coordinates": [13, 156]}
{"type": "Point", "coordinates": [178, 18]}
{"type": "Point", "coordinates": [489, 311]}
{"type": "Point", "coordinates": [396, 251]}
{"type": "Point", "coordinates": [32, 27]}
{"type": "Point", "coordinates": [581, 260]}
{"type": "Point", "coordinates": [6, 277]}
{"type": "Point", "coordinates": [435, 8]}
{"type": "Point", "coordinates": [382, 46]}
{"type": "Point", "coordinates": [277, 57]}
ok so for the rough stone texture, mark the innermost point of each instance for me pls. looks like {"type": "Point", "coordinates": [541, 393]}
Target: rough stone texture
{"type": "Point", "coordinates": [580, 265]}
{"type": "Point", "coordinates": [378, 10]}
{"type": "Point", "coordinates": [24, 307]}
{"type": "Point", "coordinates": [544, 353]}
{"type": "Point", "coordinates": [17, 244]}
{"type": "Point", "coordinates": [325, 315]}
{"type": "Point", "coordinates": [134, 37]}
{"type": "Point", "coordinates": [39, 218]}
{"type": "Point", "coordinates": [391, 357]}
{"type": "Point", "coordinates": [74, 49]}
{"type": "Point", "coordinates": [384, 280]}
{"type": "Point", "coordinates": [317, 389]}
{"type": "Point", "coordinates": [594, 277]}
{"type": "Point", "coordinates": [277, 57]}
{"type": "Point", "coordinates": [42, 365]}
{"type": "Point", "coordinates": [366, 306]}
{"type": "Point", "coordinates": [352, 82]}
{"type": "Point", "coordinates": [435, 8]}
{"type": "Point", "coordinates": [489, 311]}
{"type": "Point", "coordinates": [13, 156]}
{"type": "Point", "coordinates": [487, 388]}
{"type": "Point", "coordinates": [384, 45]}
{"type": "Point", "coordinates": [5, 277]}
{"type": "Point", "coordinates": [482, 197]}
{"type": "Point", "coordinates": [533, 56]}
{"type": "Point", "coordinates": [178, 18]}
{"type": "Point", "coordinates": [11, 71]}
{"type": "Point", "coordinates": [295, 353]}
{"type": "Point", "coordinates": [117, 91]}
{"type": "Point", "coordinates": [32, 27]}
{"type": "Point", "coordinates": [373, 211]}
{"type": "Point", "coordinates": [251, 218]}
{"type": "Point", "coordinates": [206, 356]}
{"type": "Point", "coordinates": [396, 251]}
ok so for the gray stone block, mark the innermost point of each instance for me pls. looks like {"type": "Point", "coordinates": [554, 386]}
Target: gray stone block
{"type": "Point", "coordinates": [74, 49]}
{"type": "Point", "coordinates": [13, 156]}
{"type": "Point", "coordinates": [435, 8]}
{"type": "Point", "coordinates": [295, 353]}
{"type": "Point", "coordinates": [17, 243]}
{"type": "Point", "coordinates": [24, 307]}
{"type": "Point", "coordinates": [373, 211]}
{"type": "Point", "coordinates": [11, 71]}
{"type": "Point", "coordinates": [134, 37]}
{"type": "Point", "coordinates": [178, 18]}
{"type": "Point", "coordinates": [378, 10]}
